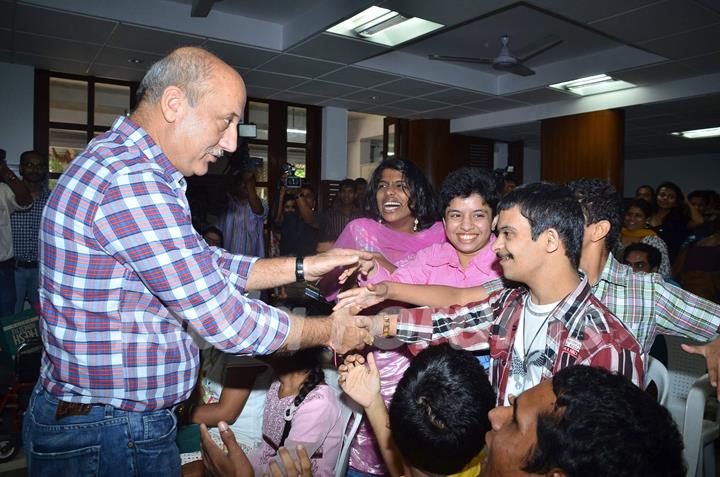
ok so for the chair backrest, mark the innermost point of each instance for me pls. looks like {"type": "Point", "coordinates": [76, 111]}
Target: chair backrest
{"type": "Point", "coordinates": [693, 424]}
{"type": "Point", "coordinates": [683, 370]}
{"type": "Point", "coordinates": [657, 373]}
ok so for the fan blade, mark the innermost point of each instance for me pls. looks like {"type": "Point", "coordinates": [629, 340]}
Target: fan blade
{"type": "Point", "coordinates": [516, 69]}
{"type": "Point", "coordinates": [542, 49]}
{"type": "Point", "coordinates": [462, 59]}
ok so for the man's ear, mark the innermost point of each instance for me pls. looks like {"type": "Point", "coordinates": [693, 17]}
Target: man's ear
{"type": "Point", "coordinates": [552, 240]}
{"type": "Point", "coordinates": [172, 103]}
{"type": "Point", "coordinates": [599, 230]}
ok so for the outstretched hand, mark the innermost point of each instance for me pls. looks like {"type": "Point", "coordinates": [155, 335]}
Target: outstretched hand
{"type": "Point", "coordinates": [318, 265]}
{"type": "Point", "coordinates": [711, 352]}
{"type": "Point", "coordinates": [233, 464]}
{"type": "Point", "coordinates": [360, 382]}
{"type": "Point", "coordinates": [363, 297]}
{"type": "Point", "coordinates": [350, 332]}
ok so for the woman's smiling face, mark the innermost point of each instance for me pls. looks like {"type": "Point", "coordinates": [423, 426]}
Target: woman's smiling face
{"type": "Point", "coordinates": [393, 199]}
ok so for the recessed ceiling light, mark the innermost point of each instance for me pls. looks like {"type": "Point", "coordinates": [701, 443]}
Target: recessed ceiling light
{"type": "Point", "coordinates": [698, 133]}
{"type": "Point", "coordinates": [135, 61]}
{"type": "Point", "coordinates": [383, 26]}
{"type": "Point", "coordinates": [592, 85]}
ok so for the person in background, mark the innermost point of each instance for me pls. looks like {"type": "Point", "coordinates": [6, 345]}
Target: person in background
{"type": "Point", "coordinates": [242, 222]}
{"type": "Point", "coordinates": [26, 229]}
{"type": "Point", "coordinates": [635, 231]}
{"type": "Point", "coordinates": [361, 185]}
{"type": "Point", "coordinates": [642, 257]}
{"type": "Point", "coordinates": [125, 276]}
{"type": "Point", "coordinates": [697, 268]}
{"type": "Point", "coordinates": [343, 210]}
{"type": "Point", "coordinates": [14, 196]}
{"type": "Point", "coordinates": [299, 229]}
{"type": "Point", "coordinates": [674, 217]}
{"type": "Point", "coordinates": [213, 236]}
{"type": "Point", "coordinates": [646, 193]}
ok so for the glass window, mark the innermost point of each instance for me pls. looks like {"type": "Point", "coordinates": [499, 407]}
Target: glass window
{"type": "Point", "coordinates": [68, 101]}
{"type": "Point", "coordinates": [257, 150]}
{"type": "Point", "coordinates": [258, 114]}
{"type": "Point", "coordinates": [296, 125]}
{"type": "Point", "coordinates": [296, 157]}
{"type": "Point", "coordinates": [64, 146]}
{"type": "Point", "coordinates": [111, 101]}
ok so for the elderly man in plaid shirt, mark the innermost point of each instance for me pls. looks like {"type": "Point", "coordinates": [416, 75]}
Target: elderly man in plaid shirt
{"type": "Point", "coordinates": [124, 274]}
{"type": "Point", "coordinates": [551, 322]}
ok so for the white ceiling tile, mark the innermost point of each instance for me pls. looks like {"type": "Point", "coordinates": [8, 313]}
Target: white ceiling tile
{"type": "Point", "coordinates": [456, 96]}
{"type": "Point", "coordinates": [359, 77]}
{"type": "Point", "coordinates": [260, 92]}
{"type": "Point", "coordinates": [293, 97]}
{"type": "Point", "coordinates": [705, 63]}
{"type": "Point", "coordinates": [659, 73]}
{"type": "Point", "coordinates": [336, 48]}
{"type": "Point", "coordinates": [324, 88]}
{"type": "Point", "coordinates": [62, 25]}
{"type": "Point", "coordinates": [298, 65]}
{"type": "Point", "coordinates": [418, 104]}
{"type": "Point", "coordinates": [132, 37]}
{"type": "Point", "coordinates": [116, 72]}
{"type": "Point", "coordinates": [450, 112]}
{"type": "Point", "coordinates": [692, 43]}
{"type": "Point", "coordinates": [389, 111]}
{"type": "Point", "coordinates": [6, 15]}
{"type": "Point", "coordinates": [374, 97]}
{"type": "Point", "coordinates": [344, 103]}
{"type": "Point", "coordinates": [658, 20]}
{"type": "Point", "coordinates": [271, 80]}
{"type": "Point", "coordinates": [542, 95]}
{"type": "Point", "coordinates": [496, 104]}
{"type": "Point", "coordinates": [5, 39]}
{"type": "Point", "coordinates": [60, 65]}
{"type": "Point", "coordinates": [588, 11]}
{"type": "Point", "coordinates": [120, 57]}
{"type": "Point", "coordinates": [55, 48]}
{"type": "Point", "coordinates": [239, 55]}
{"type": "Point", "coordinates": [410, 87]}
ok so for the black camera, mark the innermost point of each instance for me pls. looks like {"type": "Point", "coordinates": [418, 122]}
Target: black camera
{"type": "Point", "coordinates": [291, 181]}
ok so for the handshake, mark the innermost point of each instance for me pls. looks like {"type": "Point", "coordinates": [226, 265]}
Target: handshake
{"type": "Point", "coordinates": [351, 332]}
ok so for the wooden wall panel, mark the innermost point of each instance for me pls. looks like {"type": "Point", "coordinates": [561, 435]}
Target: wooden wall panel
{"type": "Point", "coordinates": [584, 145]}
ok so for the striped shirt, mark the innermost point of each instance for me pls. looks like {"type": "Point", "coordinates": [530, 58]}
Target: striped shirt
{"type": "Point", "coordinates": [649, 306]}
{"type": "Point", "coordinates": [580, 330]}
{"type": "Point", "coordinates": [26, 229]}
{"type": "Point", "coordinates": [242, 228]}
{"type": "Point", "coordinates": [123, 274]}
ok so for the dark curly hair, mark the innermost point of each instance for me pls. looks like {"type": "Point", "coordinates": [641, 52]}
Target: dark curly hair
{"type": "Point", "coordinates": [423, 201]}
{"type": "Point", "coordinates": [467, 181]}
{"type": "Point", "coordinates": [439, 413]}
{"type": "Point", "coordinates": [604, 425]}
{"type": "Point", "coordinates": [641, 204]}
{"type": "Point", "coordinates": [549, 206]}
{"type": "Point", "coordinates": [600, 201]}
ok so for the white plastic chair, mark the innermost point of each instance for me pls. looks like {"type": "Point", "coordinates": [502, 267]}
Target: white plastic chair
{"type": "Point", "coordinates": [689, 390]}
{"type": "Point", "coordinates": [657, 373]}
{"type": "Point", "coordinates": [349, 412]}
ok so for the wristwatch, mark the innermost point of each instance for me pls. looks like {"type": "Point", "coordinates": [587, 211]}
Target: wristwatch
{"type": "Point", "coordinates": [299, 270]}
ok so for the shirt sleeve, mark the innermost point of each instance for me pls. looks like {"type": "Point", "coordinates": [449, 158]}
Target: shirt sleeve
{"type": "Point", "coordinates": [465, 326]}
{"type": "Point", "coordinates": [614, 358]}
{"type": "Point", "coordinates": [679, 312]}
{"type": "Point", "coordinates": [8, 197]}
{"type": "Point", "coordinates": [143, 223]}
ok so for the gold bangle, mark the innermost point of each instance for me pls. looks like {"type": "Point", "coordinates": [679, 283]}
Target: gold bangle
{"type": "Point", "coordinates": [386, 326]}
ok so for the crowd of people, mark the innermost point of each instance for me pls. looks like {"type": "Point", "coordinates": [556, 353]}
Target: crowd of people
{"type": "Point", "coordinates": [540, 305]}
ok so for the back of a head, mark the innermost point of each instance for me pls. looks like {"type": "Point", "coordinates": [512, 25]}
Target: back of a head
{"type": "Point", "coordinates": [467, 181]}
{"type": "Point", "coordinates": [438, 415]}
{"type": "Point", "coordinates": [549, 206]}
{"type": "Point", "coordinates": [188, 68]}
{"type": "Point", "coordinates": [604, 425]}
{"type": "Point", "coordinates": [600, 201]}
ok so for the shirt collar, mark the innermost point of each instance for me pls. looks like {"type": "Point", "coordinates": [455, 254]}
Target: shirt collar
{"type": "Point", "coordinates": [614, 272]}
{"type": "Point", "coordinates": [140, 138]}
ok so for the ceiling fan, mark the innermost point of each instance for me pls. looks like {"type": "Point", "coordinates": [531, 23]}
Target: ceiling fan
{"type": "Point", "coordinates": [505, 60]}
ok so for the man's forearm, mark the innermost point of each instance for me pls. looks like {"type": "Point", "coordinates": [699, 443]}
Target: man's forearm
{"type": "Point", "coordinates": [307, 333]}
{"type": "Point", "coordinates": [271, 272]}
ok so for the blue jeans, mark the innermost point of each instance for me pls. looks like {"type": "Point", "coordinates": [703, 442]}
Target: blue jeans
{"type": "Point", "coordinates": [7, 291]}
{"type": "Point", "coordinates": [105, 442]}
{"type": "Point", "coordinates": [26, 286]}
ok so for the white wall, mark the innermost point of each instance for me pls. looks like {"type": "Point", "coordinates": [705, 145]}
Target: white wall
{"type": "Point", "coordinates": [531, 165]}
{"type": "Point", "coordinates": [360, 128]}
{"type": "Point", "coordinates": [334, 143]}
{"type": "Point", "coordinates": [17, 84]}
{"type": "Point", "coordinates": [700, 171]}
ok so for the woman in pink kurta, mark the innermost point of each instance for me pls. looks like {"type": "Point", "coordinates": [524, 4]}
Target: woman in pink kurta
{"type": "Point", "coordinates": [403, 220]}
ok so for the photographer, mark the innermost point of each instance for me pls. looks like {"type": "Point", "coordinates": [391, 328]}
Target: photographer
{"type": "Point", "coordinates": [299, 225]}
{"type": "Point", "coordinates": [242, 221]}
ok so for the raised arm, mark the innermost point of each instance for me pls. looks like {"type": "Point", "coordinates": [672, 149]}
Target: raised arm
{"type": "Point", "coordinates": [436, 296]}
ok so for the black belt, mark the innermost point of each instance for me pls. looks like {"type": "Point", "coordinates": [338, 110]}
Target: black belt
{"type": "Point", "coordinates": [26, 264]}
{"type": "Point", "coordinates": [9, 263]}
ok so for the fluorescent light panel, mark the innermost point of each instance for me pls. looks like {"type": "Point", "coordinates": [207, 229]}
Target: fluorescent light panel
{"type": "Point", "coordinates": [698, 133]}
{"type": "Point", "coordinates": [383, 26]}
{"type": "Point", "coordinates": [295, 131]}
{"type": "Point", "coordinates": [592, 85]}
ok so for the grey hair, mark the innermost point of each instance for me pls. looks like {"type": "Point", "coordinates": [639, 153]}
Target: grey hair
{"type": "Point", "coordinates": [186, 68]}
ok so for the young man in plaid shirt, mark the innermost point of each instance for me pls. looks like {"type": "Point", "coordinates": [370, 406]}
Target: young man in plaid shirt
{"type": "Point", "coordinates": [551, 322]}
